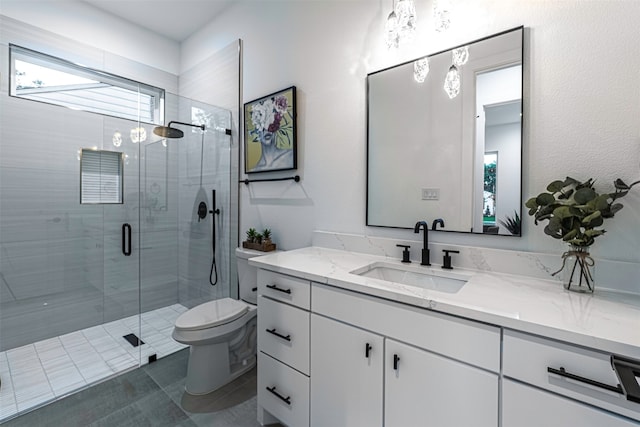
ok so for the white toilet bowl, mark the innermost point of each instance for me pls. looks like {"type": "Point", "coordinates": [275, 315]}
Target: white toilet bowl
{"type": "Point", "coordinates": [221, 333]}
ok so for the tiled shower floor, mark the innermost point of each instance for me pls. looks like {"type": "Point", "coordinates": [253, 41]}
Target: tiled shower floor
{"type": "Point", "coordinates": [37, 373]}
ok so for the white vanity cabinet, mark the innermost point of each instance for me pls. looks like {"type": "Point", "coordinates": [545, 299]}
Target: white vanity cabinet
{"type": "Point", "coordinates": [347, 382]}
{"type": "Point", "coordinates": [424, 389]}
{"type": "Point", "coordinates": [548, 382]}
{"type": "Point", "coordinates": [435, 369]}
{"type": "Point", "coordinates": [283, 349]}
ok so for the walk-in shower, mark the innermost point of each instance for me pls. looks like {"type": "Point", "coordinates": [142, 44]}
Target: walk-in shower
{"type": "Point", "coordinates": [75, 307]}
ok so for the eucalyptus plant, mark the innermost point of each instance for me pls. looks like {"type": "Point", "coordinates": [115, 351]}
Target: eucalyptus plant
{"type": "Point", "coordinates": [574, 209]}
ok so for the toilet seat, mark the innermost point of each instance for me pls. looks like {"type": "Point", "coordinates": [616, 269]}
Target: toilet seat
{"type": "Point", "coordinates": [211, 314]}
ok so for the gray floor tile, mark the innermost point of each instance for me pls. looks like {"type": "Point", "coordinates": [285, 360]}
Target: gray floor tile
{"type": "Point", "coordinates": [152, 396]}
{"type": "Point", "coordinates": [169, 369]}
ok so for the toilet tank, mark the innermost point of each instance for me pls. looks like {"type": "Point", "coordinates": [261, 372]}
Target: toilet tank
{"type": "Point", "coordinates": [248, 275]}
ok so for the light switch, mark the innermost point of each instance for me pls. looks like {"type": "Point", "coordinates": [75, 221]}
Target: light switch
{"type": "Point", "coordinates": [430, 194]}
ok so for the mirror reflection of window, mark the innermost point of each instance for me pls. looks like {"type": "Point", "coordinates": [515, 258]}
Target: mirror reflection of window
{"type": "Point", "coordinates": [489, 196]}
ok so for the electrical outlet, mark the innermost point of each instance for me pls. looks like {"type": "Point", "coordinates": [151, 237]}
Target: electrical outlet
{"type": "Point", "coordinates": [430, 194]}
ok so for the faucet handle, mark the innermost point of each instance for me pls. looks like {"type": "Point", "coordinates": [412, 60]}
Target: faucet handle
{"type": "Point", "coordinates": [446, 260]}
{"type": "Point", "coordinates": [405, 253]}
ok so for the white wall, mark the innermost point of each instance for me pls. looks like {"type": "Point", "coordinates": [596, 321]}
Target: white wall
{"type": "Point", "coordinates": [582, 106]}
{"type": "Point", "coordinates": [84, 23]}
{"type": "Point", "coordinates": [581, 109]}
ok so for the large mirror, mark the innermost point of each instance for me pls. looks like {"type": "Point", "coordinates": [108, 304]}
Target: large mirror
{"type": "Point", "coordinates": [447, 142]}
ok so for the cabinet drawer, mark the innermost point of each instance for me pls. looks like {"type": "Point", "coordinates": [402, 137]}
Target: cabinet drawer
{"type": "Point", "coordinates": [526, 406]}
{"type": "Point", "coordinates": [283, 392]}
{"type": "Point", "coordinates": [285, 288]}
{"type": "Point", "coordinates": [283, 333]}
{"type": "Point", "coordinates": [464, 340]}
{"type": "Point", "coordinates": [528, 357]}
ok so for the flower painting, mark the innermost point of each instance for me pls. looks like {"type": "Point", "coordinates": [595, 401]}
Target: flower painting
{"type": "Point", "coordinates": [270, 132]}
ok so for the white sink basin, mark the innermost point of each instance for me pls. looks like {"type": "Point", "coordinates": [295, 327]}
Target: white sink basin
{"type": "Point", "coordinates": [415, 275]}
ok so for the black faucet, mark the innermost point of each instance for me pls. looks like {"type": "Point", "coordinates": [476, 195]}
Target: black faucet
{"type": "Point", "coordinates": [436, 222]}
{"type": "Point", "coordinates": [425, 245]}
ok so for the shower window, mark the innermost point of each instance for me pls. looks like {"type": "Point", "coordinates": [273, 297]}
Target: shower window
{"type": "Point", "coordinates": [45, 78]}
{"type": "Point", "coordinates": [100, 177]}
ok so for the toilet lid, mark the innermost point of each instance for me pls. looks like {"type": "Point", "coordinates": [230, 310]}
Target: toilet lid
{"type": "Point", "coordinates": [211, 314]}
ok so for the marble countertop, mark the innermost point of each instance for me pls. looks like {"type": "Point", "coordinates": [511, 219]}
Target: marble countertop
{"type": "Point", "coordinates": [609, 321]}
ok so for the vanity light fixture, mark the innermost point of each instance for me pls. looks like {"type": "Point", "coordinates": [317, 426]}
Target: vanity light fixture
{"type": "Point", "coordinates": [452, 82]}
{"type": "Point", "coordinates": [421, 69]}
{"type": "Point", "coordinates": [391, 36]}
{"type": "Point", "coordinates": [442, 15]}
{"type": "Point", "coordinates": [401, 24]}
{"type": "Point", "coordinates": [460, 56]}
{"type": "Point", "coordinates": [406, 11]}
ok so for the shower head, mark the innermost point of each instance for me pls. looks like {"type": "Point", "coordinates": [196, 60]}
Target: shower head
{"type": "Point", "coordinates": [169, 132]}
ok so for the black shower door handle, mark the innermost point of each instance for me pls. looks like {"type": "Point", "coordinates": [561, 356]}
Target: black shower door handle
{"type": "Point", "coordinates": [126, 239]}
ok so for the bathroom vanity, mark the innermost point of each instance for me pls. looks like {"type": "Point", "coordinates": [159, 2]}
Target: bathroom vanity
{"type": "Point", "coordinates": [341, 347]}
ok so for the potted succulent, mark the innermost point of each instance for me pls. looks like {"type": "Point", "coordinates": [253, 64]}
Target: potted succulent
{"type": "Point", "coordinates": [266, 236]}
{"type": "Point", "coordinates": [259, 241]}
{"type": "Point", "coordinates": [574, 212]}
{"type": "Point", "coordinates": [513, 225]}
{"type": "Point", "coordinates": [251, 235]}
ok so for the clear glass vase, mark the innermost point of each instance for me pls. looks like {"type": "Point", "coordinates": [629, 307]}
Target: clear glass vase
{"type": "Point", "coordinates": [578, 270]}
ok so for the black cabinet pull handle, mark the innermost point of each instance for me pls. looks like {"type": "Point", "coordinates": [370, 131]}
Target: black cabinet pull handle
{"type": "Point", "coordinates": [396, 359]}
{"type": "Point", "coordinates": [563, 373]}
{"type": "Point", "coordinates": [275, 288]}
{"type": "Point", "coordinates": [273, 331]}
{"type": "Point", "coordinates": [286, 400]}
{"type": "Point", "coordinates": [126, 239]}
{"type": "Point", "coordinates": [367, 350]}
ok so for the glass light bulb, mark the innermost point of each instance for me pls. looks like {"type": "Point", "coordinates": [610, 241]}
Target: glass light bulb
{"type": "Point", "coordinates": [452, 82]}
{"type": "Point", "coordinates": [420, 69]}
{"type": "Point", "coordinates": [117, 139]}
{"type": "Point", "coordinates": [442, 15]}
{"type": "Point", "coordinates": [391, 31]}
{"type": "Point", "coordinates": [460, 56]}
{"type": "Point", "coordinates": [406, 12]}
{"type": "Point", "coordinates": [138, 134]}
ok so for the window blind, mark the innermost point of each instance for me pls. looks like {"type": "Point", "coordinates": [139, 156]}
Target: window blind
{"type": "Point", "coordinates": [100, 176]}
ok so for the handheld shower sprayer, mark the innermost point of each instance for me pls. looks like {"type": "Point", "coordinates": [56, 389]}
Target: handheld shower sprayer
{"type": "Point", "coordinates": [214, 211]}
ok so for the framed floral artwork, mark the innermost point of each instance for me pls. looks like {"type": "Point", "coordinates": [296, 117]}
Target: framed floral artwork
{"type": "Point", "coordinates": [270, 132]}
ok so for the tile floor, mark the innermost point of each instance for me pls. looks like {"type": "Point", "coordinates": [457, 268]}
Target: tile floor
{"type": "Point", "coordinates": [35, 374]}
{"type": "Point", "coordinates": [152, 395]}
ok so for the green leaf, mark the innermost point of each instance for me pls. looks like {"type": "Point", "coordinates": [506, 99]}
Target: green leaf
{"type": "Point", "coordinates": [570, 235]}
{"type": "Point", "coordinates": [555, 186]}
{"type": "Point", "coordinates": [566, 194]}
{"type": "Point", "coordinates": [587, 219]}
{"type": "Point", "coordinates": [568, 181]}
{"type": "Point", "coordinates": [601, 202]}
{"type": "Point", "coordinates": [615, 208]}
{"type": "Point", "coordinates": [545, 199]}
{"type": "Point", "coordinates": [594, 233]}
{"type": "Point", "coordinates": [532, 211]}
{"type": "Point", "coordinates": [562, 212]}
{"type": "Point", "coordinates": [584, 195]}
{"type": "Point", "coordinates": [620, 185]}
{"type": "Point", "coordinates": [531, 204]}
{"type": "Point", "coordinates": [555, 225]}
{"type": "Point", "coordinates": [618, 194]}
{"type": "Point", "coordinates": [578, 242]}
{"type": "Point", "coordinates": [551, 233]}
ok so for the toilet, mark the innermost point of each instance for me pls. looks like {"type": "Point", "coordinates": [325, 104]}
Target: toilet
{"type": "Point", "coordinates": [221, 333]}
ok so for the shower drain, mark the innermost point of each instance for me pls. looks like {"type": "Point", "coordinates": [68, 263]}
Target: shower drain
{"type": "Point", "coordinates": [133, 340]}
